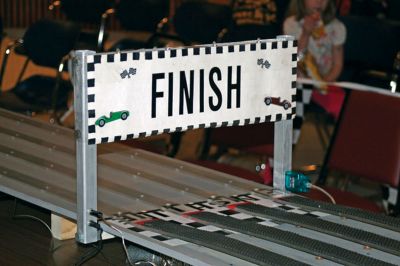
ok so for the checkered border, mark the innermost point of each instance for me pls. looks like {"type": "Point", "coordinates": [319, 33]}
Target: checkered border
{"type": "Point", "coordinates": [129, 221]}
{"type": "Point", "coordinates": [137, 221]}
{"type": "Point", "coordinates": [255, 199]}
{"type": "Point", "coordinates": [391, 199]}
{"type": "Point", "coordinates": [181, 214]}
{"type": "Point", "coordinates": [302, 98]}
{"type": "Point", "coordinates": [92, 60]}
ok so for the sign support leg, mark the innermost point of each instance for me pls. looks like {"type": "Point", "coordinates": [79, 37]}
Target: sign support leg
{"type": "Point", "coordinates": [282, 152]}
{"type": "Point", "coordinates": [86, 155]}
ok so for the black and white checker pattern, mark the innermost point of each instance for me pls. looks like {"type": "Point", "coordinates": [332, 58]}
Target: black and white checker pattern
{"type": "Point", "coordinates": [130, 221]}
{"type": "Point", "coordinates": [256, 199]}
{"type": "Point", "coordinates": [148, 55]}
{"type": "Point", "coordinates": [186, 219]}
{"type": "Point", "coordinates": [303, 98]}
{"type": "Point", "coordinates": [227, 206]}
{"type": "Point", "coordinates": [181, 214]}
{"type": "Point", "coordinates": [391, 199]}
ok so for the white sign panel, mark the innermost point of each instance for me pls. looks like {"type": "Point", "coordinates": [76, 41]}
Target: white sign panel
{"type": "Point", "coordinates": [147, 92]}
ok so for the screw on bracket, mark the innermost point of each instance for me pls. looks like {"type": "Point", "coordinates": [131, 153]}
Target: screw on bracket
{"type": "Point", "coordinates": [77, 134]}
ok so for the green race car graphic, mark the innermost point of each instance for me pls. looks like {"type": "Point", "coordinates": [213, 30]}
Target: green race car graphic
{"type": "Point", "coordinates": [113, 116]}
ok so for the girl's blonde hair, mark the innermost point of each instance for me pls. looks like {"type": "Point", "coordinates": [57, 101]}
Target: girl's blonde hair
{"type": "Point", "coordinates": [297, 8]}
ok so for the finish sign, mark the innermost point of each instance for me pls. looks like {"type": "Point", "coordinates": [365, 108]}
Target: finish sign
{"type": "Point", "coordinates": [147, 92]}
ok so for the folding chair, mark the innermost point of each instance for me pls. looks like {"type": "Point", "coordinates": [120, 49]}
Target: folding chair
{"type": "Point", "coordinates": [1, 30]}
{"type": "Point", "coordinates": [218, 141]}
{"type": "Point", "coordinates": [379, 39]}
{"type": "Point", "coordinates": [46, 43]}
{"type": "Point", "coordinates": [142, 16]}
{"type": "Point", "coordinates": [366, 144]}
{"type": "Point", "coordinates": [201, 21]}
{"type": "Point", "coordinates": [265, 20]}
{"type": "Point", "coordinates": [259, 146]}
{"type": "Point", "coordinates": [88, 14]}
{"type": "Point", "coordinates": [393, 11]}
{"type": "Point", "coordinates": [261, 141]}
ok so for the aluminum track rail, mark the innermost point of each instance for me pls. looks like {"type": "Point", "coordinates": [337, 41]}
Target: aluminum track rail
{"type": "Point", "coordinates": [37, 164]}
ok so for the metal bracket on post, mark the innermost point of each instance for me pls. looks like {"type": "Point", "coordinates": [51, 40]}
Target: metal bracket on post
{"type": "Point", "coordinates": [86, 155]}
{"type": "Point", "coordinates": [282, 144]}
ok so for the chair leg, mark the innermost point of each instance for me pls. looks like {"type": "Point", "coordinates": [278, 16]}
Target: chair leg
{"type": "Point", "coordinates": [324, 169]}
{"type": "Point", "coordinates": [175, 141]}
{"type": "Point", "coordinates": [206, 144]}
{"type": "Point", "coordinates": [21, 74]}
{"type": "Point", "coordinates": [320, 131]}
{"type": "Point", "coordinates": [3, 66]}
{"type": "Point", "coordinates": [5, 59]}
{"type": "Point", "coordinates": [53, 112]}
{"type": "Point", "coordinates": [66, 114]}
{"type": "Point", "coordinates": [100, 37]}
{"type": "Point", "coordinates": [346, 183]}
{"type": "Point", "coordinates": [53, 117]}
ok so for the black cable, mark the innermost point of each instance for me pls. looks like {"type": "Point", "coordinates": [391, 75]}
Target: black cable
{"type": "Point", "coordinates": [96, 248]}
{"type": "Point", "coordinates": [100, 218]}
{"type": "Point", "coordinates": [88, 255]}
{"type": "Point", "coordinates": [13, 214]}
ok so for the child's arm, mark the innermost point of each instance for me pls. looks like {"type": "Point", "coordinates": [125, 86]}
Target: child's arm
{"type": "Point", "coordinates": [337, 64]}
{"type": "Point", "coordinates": [309, 25]}
{"type": "Point", "coordinates": [303, 41]}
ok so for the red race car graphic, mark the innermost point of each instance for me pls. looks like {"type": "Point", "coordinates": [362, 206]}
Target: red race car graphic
{"type": "Point", "coordinates": [277, 101]}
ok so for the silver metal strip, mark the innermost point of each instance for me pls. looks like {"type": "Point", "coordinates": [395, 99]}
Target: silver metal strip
{"type": "Point", "coordinates": [282, 143]}
{"type": "Point", "coordinates": [284, 250]}
{"type": "Point", "coordinates": [186, 171]}
{"type": "Point", "coordinates": [363, 226]}
{"type": "Point", "coordinates": [189, 253]}
{"type": "Point", "coordinates": [21, 120]}
{"type": "Point", "coordinates": [35, 196]}
{"type": "Point", "coordinates": [346, 244]}
{"type": "Point", "coordinates": [86, 155]}
{"type": "Point", "coordinates": [282, 152]}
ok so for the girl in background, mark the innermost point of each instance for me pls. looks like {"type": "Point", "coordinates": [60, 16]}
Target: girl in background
{"type": "Point", "coordinates": [320, 46]}
{"type": "Point", "coordinates": [320, 36]}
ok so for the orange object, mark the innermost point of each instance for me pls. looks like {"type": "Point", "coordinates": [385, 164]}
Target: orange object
{"type": "Point", "coordinates": [312, 72]}
{"type": "Point", "coordinates": [319, 31]}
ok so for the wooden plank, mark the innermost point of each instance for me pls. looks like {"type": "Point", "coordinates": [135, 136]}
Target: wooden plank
{"type": "Point", "coordinates": [62, 228]}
